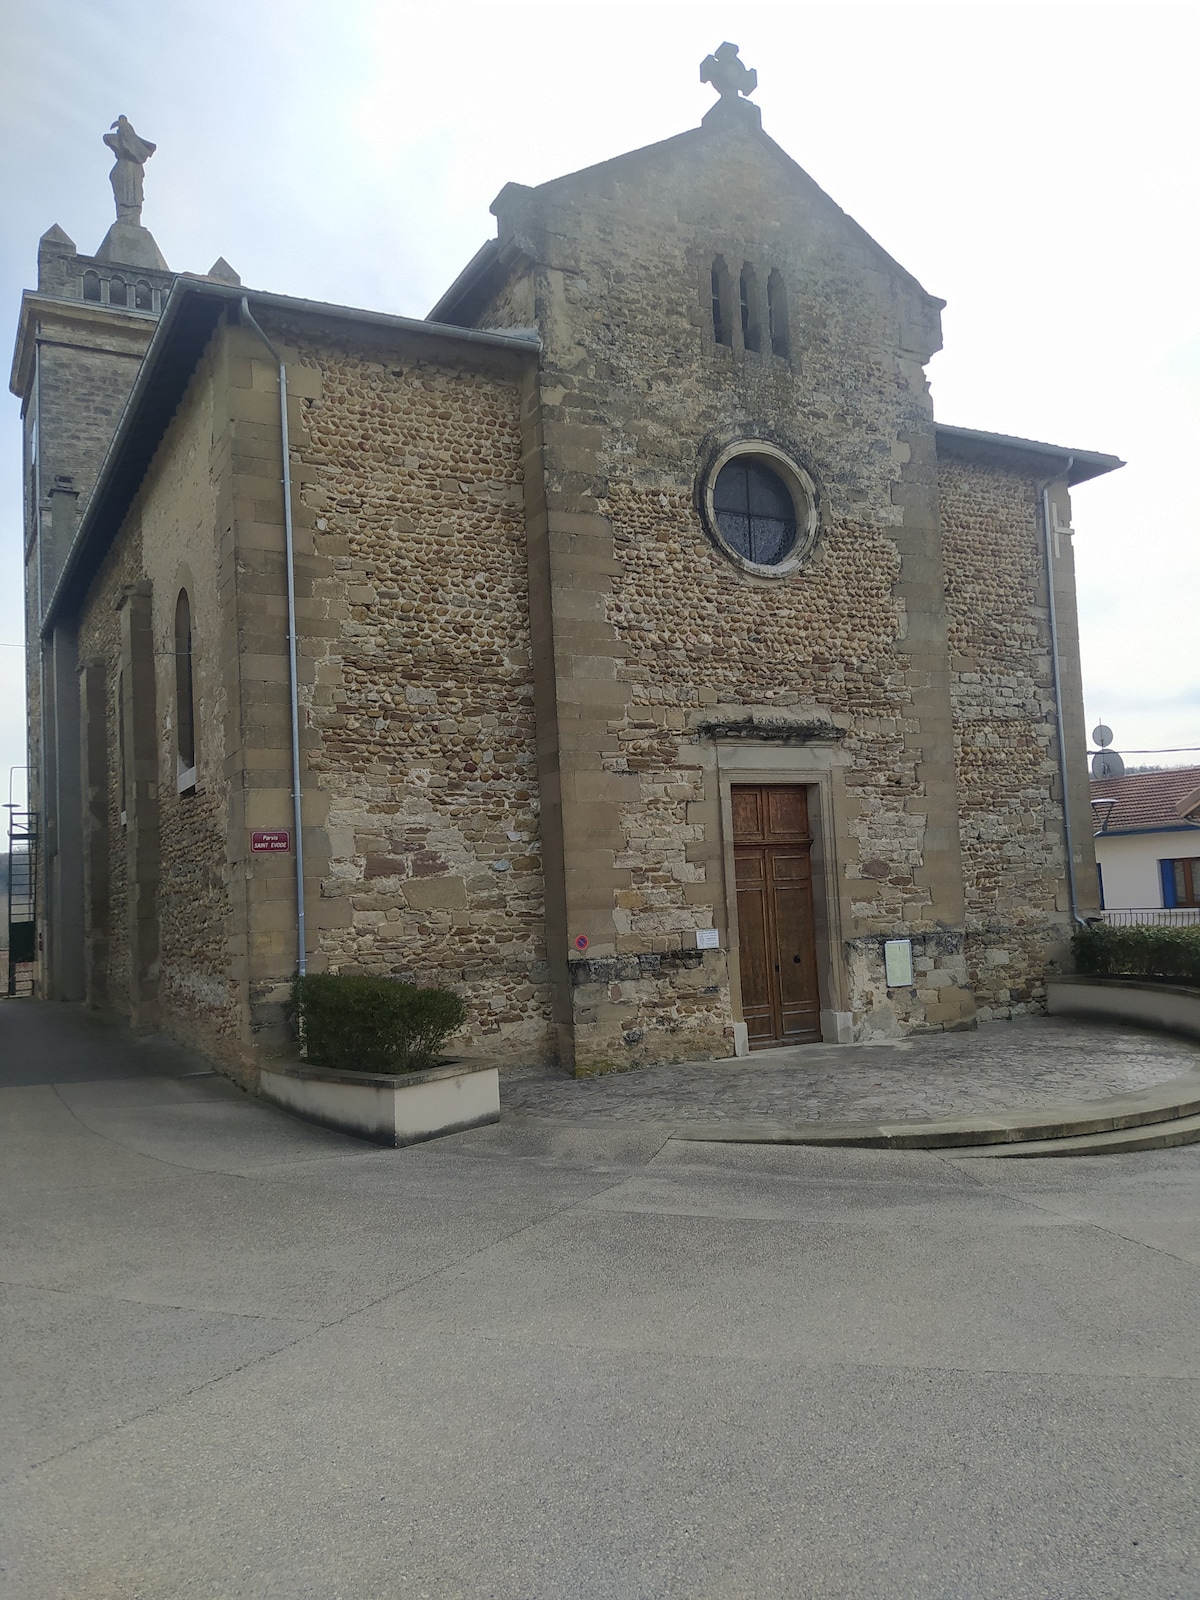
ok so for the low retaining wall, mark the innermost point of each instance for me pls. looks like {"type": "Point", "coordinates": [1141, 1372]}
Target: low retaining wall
{"type": "Point", "coordinates": [1166, 1006]}
{"type": "Point", "coordinates": [393, 1110]}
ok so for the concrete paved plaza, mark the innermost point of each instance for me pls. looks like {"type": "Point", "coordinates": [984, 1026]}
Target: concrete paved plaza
{"type": "Point", "coordinates": [244, 1357]}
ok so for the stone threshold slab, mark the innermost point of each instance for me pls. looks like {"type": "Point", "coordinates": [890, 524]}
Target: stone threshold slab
{"type": "Point", "coordinates": [1146, 1136]}
{"type": "Point", "coordinates": [1164, 1102]}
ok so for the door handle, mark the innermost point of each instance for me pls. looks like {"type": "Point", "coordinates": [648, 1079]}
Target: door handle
{"type": "Point", "coordinates": [797, 959]}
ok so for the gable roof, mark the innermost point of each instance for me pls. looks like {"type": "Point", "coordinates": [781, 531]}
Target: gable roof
{"type": "Point", "coordinates": [1151, 802]}
{"type": "Point", "coordinates": [484, 271]}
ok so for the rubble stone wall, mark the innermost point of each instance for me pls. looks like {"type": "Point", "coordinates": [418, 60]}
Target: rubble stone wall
{"type": "Point", "coordinates": [421, 708]}
{"type": "Point", "coordinates": [85, 375]}
{"type": "Point", "coordinates": [74, 384]}
{"type": "Point", "coordinates": [167, 542]}
{"type": "Point", "coordinates": [1006, 754]}
{"type": "Point", "coordinates": [100, 640]}
{"type": "Point", "coordinates": [178, 510]}
{"type": "Point", "coordinates": [654, 625]}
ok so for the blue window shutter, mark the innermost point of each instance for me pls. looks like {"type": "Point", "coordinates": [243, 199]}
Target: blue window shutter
{"type": "Point", "coordinates": [1167, 870]}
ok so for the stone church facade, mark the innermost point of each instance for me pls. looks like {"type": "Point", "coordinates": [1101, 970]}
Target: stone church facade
{"type": "Point", "coordinates": [667, 679]}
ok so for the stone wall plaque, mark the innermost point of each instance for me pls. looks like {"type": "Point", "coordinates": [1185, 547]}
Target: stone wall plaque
{"type": "Point", "coordinates": [898, 963]}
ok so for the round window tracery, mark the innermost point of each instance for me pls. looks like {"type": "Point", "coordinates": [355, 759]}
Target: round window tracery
{"type": "Point", "coordinates": [760, 508]}
{"type": "Point", "coordinates": [754, 511]}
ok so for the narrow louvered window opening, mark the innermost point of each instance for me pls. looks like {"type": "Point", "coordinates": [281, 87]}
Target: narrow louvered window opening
{"type": "Point", "coordinates": [748, 312]}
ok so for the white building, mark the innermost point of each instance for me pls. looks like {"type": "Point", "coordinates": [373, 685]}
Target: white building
{"type": "Point", "coordinates": [1147, 828]}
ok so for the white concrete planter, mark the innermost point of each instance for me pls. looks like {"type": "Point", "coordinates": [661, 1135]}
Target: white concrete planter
{"type": "Point", "coordinates": [393, 1110]}
{"type": "Point", "coordinates": [1168, 1006]}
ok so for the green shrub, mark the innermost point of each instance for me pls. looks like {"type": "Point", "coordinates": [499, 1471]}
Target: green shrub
{"type": "Point", "coordinates": [1167, 954]}
{"type": "Point", "coordinates": [364, 1024]}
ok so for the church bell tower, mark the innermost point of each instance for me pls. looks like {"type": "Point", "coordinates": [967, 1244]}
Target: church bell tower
{"type": "Point", "coordinates": [81, 338]}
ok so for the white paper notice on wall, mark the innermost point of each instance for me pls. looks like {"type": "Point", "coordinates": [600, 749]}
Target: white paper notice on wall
{"type": "Point", "coordinates": [708, 939]}
{"type": "Point", "coordinates": [897, 963]}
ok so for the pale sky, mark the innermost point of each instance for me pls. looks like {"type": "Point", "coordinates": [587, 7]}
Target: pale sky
{"type": "Point", "coordinates": [1034, 165]}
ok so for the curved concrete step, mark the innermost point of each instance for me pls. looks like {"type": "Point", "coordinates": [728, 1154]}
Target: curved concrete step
{"type": "Point", "coordinates": [1150, 1136]}
{"type": "Point", "coordinates": [1171, 1102]}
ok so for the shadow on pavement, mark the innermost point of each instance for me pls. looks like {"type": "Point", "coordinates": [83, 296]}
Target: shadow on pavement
{"type": "Point", "coordinates": [46, 1041]}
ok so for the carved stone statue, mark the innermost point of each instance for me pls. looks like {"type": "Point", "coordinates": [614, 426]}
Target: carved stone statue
{"type": "Point", "coordinates": [127, 241]}
{"type": "Point", "coordinates": [132, 154]}
{"type": "Point", "coordinates": [727, 74]}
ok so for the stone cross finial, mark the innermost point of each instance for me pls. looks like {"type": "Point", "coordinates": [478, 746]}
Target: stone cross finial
{"type": "Point", "coordinates": [132, 154]}
{"type": "Point", "coordinates": [727, 74]}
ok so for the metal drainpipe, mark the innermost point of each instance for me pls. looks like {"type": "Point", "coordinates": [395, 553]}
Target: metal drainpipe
{"type": "Point", "coordinates": [297, 828]}
{"type": "Point", "coordinates": [43, 934]}
{"type": "Point", "coordinates": [1068, 833]}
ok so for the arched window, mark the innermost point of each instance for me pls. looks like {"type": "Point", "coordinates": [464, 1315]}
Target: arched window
{"type": "Point", "coordinates": [91, 286]}
{"type": "Point", "coordinates": [185, 719]}
{"type": "Point", "coordinates": [751, 314]}
{"type": "Point", "coordinates": [142, 297]}
{"type": "Point", "coordinates": [721, 307]}
{"type": "Point", "coordinates": [777, 315]}
{"type": "Point", "coordinates": [118, 294]}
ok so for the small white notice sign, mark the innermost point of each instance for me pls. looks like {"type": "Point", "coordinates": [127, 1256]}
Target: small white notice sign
{"type": "Point", "coordinates": [897, 962]}
{"type": "Point", "coordinates": [707, 939]}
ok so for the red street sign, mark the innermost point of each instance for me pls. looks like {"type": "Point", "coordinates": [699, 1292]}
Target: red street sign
{"type": "Point", "coordinates": [279, 840]}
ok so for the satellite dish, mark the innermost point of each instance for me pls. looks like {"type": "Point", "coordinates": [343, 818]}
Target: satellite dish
{"type": "Point", "coordinates": [1106, 763]}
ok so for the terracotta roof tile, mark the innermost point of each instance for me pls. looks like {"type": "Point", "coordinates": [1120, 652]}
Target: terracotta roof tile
{"type": "Point", "coordinates": [1146, 801]}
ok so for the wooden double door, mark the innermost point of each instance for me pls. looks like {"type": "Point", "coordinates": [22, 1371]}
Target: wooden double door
{"type": "Point", "coordinates": [772, 848]}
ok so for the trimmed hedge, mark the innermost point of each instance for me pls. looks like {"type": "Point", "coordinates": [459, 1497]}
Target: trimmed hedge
{"type": "Point", "coordinates": [1171, 955]}
{"type": "Point", "coordinates": [364, 1024]}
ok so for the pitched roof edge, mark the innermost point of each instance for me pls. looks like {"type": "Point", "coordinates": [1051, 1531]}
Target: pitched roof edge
{"type": "Point", "coordinates": [152, 402]}
{"type": "Point", "coordinates": [868, 239]}
{"type": "Point", "coordinates": [1134, 828]}
{"type": "Point", "coordinates": [525, 342]}
{"type": "Point", "coordinates": [473, 277]}
{"type": "Point", "coordinates": [1080, 464]}
{"type": "Point", "coordinates": [192, 313]}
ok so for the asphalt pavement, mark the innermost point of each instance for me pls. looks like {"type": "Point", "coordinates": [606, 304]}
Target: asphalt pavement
{"type": "Point", "coordinates": [248, 1358]}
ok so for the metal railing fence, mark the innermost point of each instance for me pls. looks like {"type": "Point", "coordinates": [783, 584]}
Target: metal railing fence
{"type": "Point", "coordinates": [22, 901]}
{"type": "Point", "coordinates": [1153, 917]}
